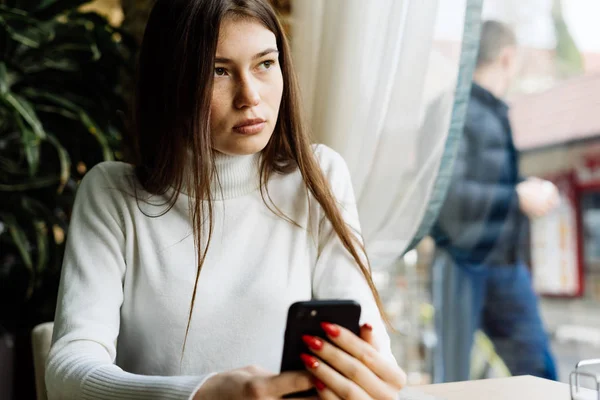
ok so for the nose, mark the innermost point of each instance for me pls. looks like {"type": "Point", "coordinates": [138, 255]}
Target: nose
{"type": "Point", "coordinates": [247, 94]}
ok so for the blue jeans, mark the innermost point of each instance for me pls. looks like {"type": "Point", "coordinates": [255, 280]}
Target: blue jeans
{"type": "Point", "coordinates": [501, 302]}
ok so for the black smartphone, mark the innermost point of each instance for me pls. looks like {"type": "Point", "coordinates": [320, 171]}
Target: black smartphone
{"type": "Point", "coordinates": [304, 318]}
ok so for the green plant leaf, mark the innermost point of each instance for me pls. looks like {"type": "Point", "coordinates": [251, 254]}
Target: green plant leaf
{"type": "Point", "coordinates": [40, 210]}
{"type": "Point", "coordinates": [31, 145]}
{"type": "Point", "coordinates": [84, 117]}
{"type": "Point", "coordinates": [4, 83]}
{"type": "Point", "coordinates": [24, 29]}
{"type": "Point", "coordinates": [50, 8]}
{"type": "Point", "coordinates": [34, 183]}
{"type": "Point", "coordinates": [10, 166]}
{"type": "Point", "coordinates": [32, 131]}
{"type": "Point", "coordinates": [20, 240]}
{"type": "Point", "coordinates": [65, 162]}
{"type": "Point", "coordinates": [30, 41]}
{"type": "Point", "coordinates": [7, 10]}
{"type": "Point", "coordinates": [57, 110]}
{"type": "Point", "coordinates": [98, 134]}
{"type": "Point", "coordinates": [63, 64]}
{"type": "Point", "coordinates": [65, 5]}
{"type": "Point", "coordinates": [25, 109]}
{"type": "Point", "coordinates": [41, 234]}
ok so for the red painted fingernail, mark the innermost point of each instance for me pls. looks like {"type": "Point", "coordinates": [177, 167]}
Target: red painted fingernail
{"type": "Point", "coordinates": [319, 385]}
{"type": "Point", "coordinates": [310, 361]}
{"type": "Point", "coordinates": [313, 342]}
{"type": "Point", "coordinates": [368, 327]}
{"type": "Point", "coordinates": [331, 329]}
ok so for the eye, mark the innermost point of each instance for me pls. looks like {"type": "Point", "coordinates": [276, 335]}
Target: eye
{"type": "Point", "coordinates": [220, 71]}
{"type": "Point", "coordinates": [267, 64]}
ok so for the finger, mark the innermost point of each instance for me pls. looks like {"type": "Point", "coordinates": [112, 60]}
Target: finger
{"type": "Point", "coordinates": [333, 380]}
{"type": "Point", "coordinates": [557, 200]}
{"type": "Point", "coordinates": [366, 334]}
{"type": "Point", "coordinates": [324, 392]}
{"type": "Point", "coordinates": [286, 383]}
{"type": "Point", "coordinates": [328, 394]}
{"type": "Point", "coordinates": [365, 353]}
{"type": "Point", "coordinates": [349, 367]}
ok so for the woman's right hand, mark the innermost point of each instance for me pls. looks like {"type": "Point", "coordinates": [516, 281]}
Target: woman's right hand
{"type": "Point", "coordinates": [253, 383]}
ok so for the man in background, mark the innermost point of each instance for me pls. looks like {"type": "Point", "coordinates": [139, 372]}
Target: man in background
{"type": "Point", "coordinates": [480, 280]}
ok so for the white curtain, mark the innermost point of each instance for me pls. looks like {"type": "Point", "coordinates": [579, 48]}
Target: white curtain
{"type": "Point", "coordinates": [378, 80]}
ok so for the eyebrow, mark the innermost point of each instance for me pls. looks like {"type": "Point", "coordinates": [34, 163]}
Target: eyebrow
{"type": "Point", "coordinates": [223, 60]}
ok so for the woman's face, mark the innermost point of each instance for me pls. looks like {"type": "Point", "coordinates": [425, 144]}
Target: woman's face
{"type": "Point", "coordinates": [248, 86]}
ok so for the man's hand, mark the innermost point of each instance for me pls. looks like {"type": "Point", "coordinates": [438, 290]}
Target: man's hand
{"type": "Point", "coordinates": [537, 197]}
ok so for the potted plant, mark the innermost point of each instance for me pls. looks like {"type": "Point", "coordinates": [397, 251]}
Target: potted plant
{"type": "Point", "coordinates": [61, 112]}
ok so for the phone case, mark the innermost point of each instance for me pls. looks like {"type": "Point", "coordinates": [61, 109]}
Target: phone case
{"type": "Point", "coordinates": [304, 318]}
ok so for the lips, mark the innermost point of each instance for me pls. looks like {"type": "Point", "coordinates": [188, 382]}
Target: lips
{"type": "Point", "coordinates": [250, 126]}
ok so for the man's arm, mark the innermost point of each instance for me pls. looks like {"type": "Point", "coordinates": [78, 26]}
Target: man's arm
{"type": "Point", "coordinates": [471, 204]}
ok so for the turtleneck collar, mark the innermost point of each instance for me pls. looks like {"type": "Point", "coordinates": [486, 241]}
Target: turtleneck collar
{"type": "Point", "coordinates": [236, 176]}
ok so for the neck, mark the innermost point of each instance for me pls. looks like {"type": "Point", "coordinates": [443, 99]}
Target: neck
{"type": "Point", "coordinates": [490, 79]}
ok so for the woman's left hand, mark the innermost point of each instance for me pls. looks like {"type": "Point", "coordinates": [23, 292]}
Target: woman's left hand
{"type": "Point", "coordinates": [354, 370]}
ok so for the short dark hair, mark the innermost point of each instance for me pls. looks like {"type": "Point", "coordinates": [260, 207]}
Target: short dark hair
{"type": "Point", "coordinates": [495, 36]}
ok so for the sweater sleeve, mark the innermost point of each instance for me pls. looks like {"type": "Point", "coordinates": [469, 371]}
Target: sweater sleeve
{"type": "Point", "coordinates": [337, 275]}
{"type": "Point", "coordinates": [81, 363]}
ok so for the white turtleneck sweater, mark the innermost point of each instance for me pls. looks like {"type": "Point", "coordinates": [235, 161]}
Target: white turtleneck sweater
{"type": "Point", "coordinates": [127, 281]}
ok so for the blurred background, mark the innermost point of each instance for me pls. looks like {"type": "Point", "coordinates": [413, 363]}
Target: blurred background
{"type": "Point", "coordinates": [385, 85]}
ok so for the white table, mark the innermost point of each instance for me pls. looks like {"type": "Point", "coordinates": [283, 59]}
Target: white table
{"type": "Point", "coordinates": [514, 388]}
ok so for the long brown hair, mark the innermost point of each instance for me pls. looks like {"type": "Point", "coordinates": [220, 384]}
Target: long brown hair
{"type": "Point", "coordinates": [171, 115]}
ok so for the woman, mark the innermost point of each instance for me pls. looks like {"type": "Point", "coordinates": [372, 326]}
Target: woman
{"type": "Point", "coordinates": [228, 206]}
